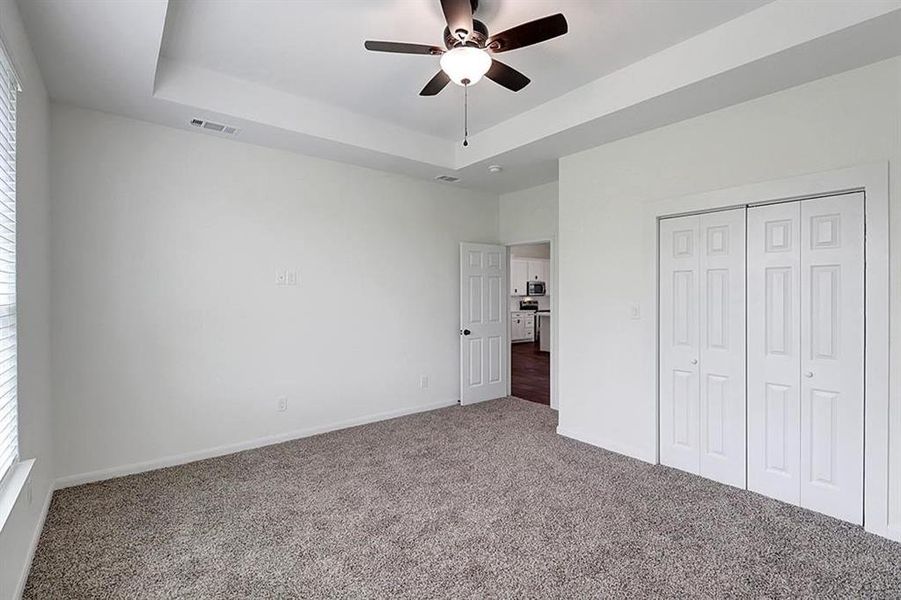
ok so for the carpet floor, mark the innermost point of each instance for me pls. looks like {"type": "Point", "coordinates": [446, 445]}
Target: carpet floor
{"type": "Point", "coordinates": [483, 501]}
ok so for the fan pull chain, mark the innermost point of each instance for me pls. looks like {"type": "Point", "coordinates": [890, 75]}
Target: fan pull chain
{"type": "Point", "coordinates": [465, 112]}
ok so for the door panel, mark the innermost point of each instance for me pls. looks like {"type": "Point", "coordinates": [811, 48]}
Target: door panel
{"type": "Point", "coordinates": [832, 384]}
{"type": "Point", "coordinates": [482, 314]}
{"type": "Point", "coordinates": [519, 276]}
{"type": "Point", "coordinates": [679, 306]}
{"type": "Point", "coordinates": [774, 362]}
{"type": "Point", "coordinates": [722, 346]}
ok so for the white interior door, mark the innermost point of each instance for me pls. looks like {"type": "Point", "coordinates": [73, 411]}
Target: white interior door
{"type": "Point", "coordinates": [722, 430]}
{"type": "Point", "coordinates": [806, 353]}
{"type": "Point", "coordinates": [483, 325]}
{"type": "Point", "coordinates": [679, 351]}
{"type": "Point", "coordinates": [832, 360]}
{"type": "Point", "coordinates": [774, 350]}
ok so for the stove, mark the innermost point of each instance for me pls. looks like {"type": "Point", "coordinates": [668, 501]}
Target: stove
{"type": "Point", "coordinates": [528, 305]}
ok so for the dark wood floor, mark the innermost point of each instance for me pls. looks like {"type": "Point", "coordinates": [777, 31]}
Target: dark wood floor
{"type": "Point", "coordinates": [531, 377]}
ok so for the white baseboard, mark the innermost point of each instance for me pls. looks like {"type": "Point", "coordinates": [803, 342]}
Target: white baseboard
{"type": "Point", "coordinates": [35, 538]}
{"type": "Point", "coordinates": [605, 444]}
{"type": "Point", "coordinates": [187, 457]}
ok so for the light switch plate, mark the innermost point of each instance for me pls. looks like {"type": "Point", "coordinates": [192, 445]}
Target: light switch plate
{"type": "Point", "coordinates": [281, 277]}
{"type": "Point", "coordinates": [634, 311]}
{"type": "Point", "coordinates": [291, 277]}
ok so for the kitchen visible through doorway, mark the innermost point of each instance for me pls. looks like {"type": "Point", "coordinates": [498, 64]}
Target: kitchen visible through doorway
{"type": "Point", "coordinates": [530, 321]}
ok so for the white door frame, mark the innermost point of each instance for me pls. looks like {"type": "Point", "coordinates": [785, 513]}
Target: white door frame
{"type": "Point", "coordinates": [555, 404]}
{"type": "Point", "coordinates": [873, 180]}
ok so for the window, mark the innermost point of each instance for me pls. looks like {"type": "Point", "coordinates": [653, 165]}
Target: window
{"type": "Point", "coordinates": [9, 443]}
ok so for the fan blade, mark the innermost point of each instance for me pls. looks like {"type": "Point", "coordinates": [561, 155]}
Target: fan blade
{"type": "Point", "coordinates": [458, 14]}
{"type": "Point", "coordinates": [435, 84]}
{"type": "Point", "coordinates": [533, 32]}
{"type": "Point", "coordinates": [402, 48]}
{"type": "Point", "coordinates": [506, 76]}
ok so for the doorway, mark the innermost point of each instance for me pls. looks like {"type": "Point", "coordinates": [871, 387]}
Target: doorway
{"type": "Point", "coordinates": [530, 321]}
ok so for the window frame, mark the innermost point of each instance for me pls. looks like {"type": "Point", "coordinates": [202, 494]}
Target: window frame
{"type": "Point", "coordinates": [8, 69]}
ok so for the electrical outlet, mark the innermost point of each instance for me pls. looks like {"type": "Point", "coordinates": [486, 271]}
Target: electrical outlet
{"type": "Point", "coordinates": [423, 382]}
{"type": "Point", "coordinates": [282, 404]}
{"type": "Point", "coordinates": [281, 277]}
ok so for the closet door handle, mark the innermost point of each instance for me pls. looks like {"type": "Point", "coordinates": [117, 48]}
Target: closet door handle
{"type": "Point", "coordinates": [694, 361]}
{"type": "Point", "coordinates": [808, 374]}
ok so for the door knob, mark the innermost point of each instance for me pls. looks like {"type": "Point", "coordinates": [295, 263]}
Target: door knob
{"type": "Point", "coordinates": [465, 332]}
{"type": "Point", "coordinates": [808, 374]}
{"type": "Point", "coordinates": [694, 361]}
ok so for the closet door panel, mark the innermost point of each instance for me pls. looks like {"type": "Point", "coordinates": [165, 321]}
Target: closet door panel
{"type": "Point", "coordinates": [832, 367]}
{"type": "Point", "coordinates": [774, 350]}
{"type": "Point", "coordinates": [678, 379]}
{"type": "Point", "coordinates": [722, 346]}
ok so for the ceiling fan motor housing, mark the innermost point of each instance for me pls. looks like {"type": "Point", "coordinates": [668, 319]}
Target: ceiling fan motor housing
{"type": "Point", "coordinates": [477, 37]}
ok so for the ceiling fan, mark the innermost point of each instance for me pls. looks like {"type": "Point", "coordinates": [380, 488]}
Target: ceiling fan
{"type": "Point", "coordinates": [468, 47]}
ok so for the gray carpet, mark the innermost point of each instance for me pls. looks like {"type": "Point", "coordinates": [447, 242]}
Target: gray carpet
{"type": "Point", "coordinates": [477, 502]}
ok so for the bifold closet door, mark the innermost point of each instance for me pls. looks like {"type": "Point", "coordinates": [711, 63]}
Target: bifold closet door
{"type": "Point", "coordinates": [721, 380]}
{"type": "Point", "coordinates": [702, 344]}
{"type": "Point", "coordinates": [774, 350]}
{"type": "Point", "coordinates": [806, 353]}
{"type": "Point", "coordinates": [832, 363]}
{"type": "Point", "coordinates": [679, 348]}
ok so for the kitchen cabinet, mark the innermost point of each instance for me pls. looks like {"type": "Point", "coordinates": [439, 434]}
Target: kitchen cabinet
{"type": "Point", "coordinates": [519, 276]}
{"type": "Point", "coordinates": [523, 270]}
{"type": "Point", "coordinates": [522, 326]}
{"type": "Point", "coordinates": [538, 269]}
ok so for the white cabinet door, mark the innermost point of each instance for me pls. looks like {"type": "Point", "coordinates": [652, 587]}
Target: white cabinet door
{"type": "Point", "coordinates": [806, 353]}
{"type": "Point", "coordinates": [722, 346]}
{"type": "Point", "coordinates": [517, 327]}
{"type": "Point", "coordinates": [519, 276]}
{"type": "Point", "coordinates": [774, 350]}
{"type": "Point", "coordinates": [679, 351]}
{"type": "Point", "coordinates": [832, 366]}
{"type": "Point", "coordinates": [538, 269]}
{"type": "Point", "coordinates": [483, 325]}
{"type": "Point", "coordinates": [529, 321]}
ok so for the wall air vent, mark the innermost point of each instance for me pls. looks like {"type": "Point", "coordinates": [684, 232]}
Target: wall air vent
{"type": "Point", "coordinates": [215, 127]}
{"type": "Point", "coordinates": [447, 179]}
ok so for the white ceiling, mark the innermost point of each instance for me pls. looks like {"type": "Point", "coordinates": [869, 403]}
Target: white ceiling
{"type": "Point", "coordinates": [294, 75]}
{"type": "Point", "coordinates": [314, 49]}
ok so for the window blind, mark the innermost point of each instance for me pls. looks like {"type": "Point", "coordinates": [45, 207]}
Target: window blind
{"type": "Point", "coordinates": [9, 444]}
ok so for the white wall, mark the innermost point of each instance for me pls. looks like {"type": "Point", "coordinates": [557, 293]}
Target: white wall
{"type": "Point", "coordinates": [529, 215]}
{"type": "Point", "coordinates": [33, 289]}
{"type": "Point", "coordinates": [170, 334]}
{"type": "Point", "coordinates": [607, 368]}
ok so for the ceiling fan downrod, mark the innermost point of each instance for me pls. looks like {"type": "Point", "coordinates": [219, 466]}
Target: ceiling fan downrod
{"type": "Point", "coordinates": [465, 112]}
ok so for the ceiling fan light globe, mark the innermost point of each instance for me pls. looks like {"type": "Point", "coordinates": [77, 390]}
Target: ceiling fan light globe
{"type": "Point", "coordinates": [465, 63]}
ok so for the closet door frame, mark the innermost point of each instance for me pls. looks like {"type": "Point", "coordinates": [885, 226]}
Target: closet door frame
{"type": "Point", "coordinates": [882, 480]}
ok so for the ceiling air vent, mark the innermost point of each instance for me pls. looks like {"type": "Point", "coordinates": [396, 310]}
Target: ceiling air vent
{"type": "Point", "coordinates": [216, 127]}
{"type": "Point", "coordinates": [447, 178]}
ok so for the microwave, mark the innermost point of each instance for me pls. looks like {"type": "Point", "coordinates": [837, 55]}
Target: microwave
{"type": "Point", "coordinates": [535, 288]}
